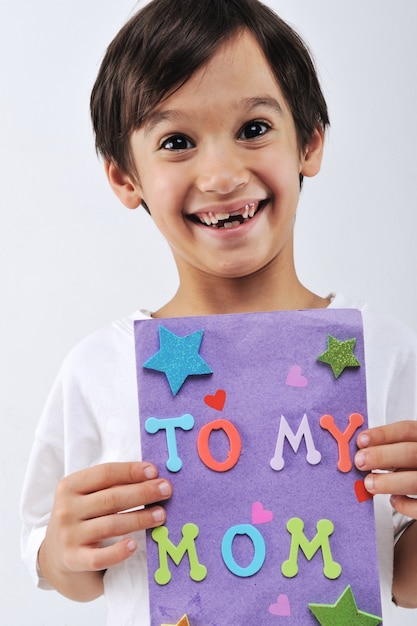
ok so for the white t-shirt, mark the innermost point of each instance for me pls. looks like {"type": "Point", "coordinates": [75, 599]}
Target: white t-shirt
{"type": "Point", "coordinates": [91, 417]}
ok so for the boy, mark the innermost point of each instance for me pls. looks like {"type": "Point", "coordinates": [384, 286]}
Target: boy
{"type": "Point", "coordinates": [210, 115]}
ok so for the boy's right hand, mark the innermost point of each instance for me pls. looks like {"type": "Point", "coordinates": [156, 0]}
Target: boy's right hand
{"type": "Point", "coordinates": [87, 512]}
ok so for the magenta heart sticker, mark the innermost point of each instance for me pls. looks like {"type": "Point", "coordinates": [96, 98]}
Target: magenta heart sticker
{"type": "Point", "coordinates": [259, 514]}
{"type": "Point", "coordinates": [295, 377]}
{"type": "Point", "coordinates": [281, 606]}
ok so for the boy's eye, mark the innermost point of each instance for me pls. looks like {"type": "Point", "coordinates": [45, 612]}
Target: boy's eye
{"type": "Point", "coordinates": [254, 129]}
{"type": "Point", "coordinates": [177, 142]}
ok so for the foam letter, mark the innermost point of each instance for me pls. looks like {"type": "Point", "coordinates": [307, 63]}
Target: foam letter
{"type": "Point", "coordinates": [162, 575]}
{"type": "Point", "coordinates": [234, 441]}
{"type": "Point", "coordinates": [325, 527]}
{"type": "Point", "coordinates": [258, 545]}
{"type": "Point", "coordinates": [169, 424]}
{"type": "Point", "coordinates": [355, 421]}
{"type": "Point", "coordinates": [313, 456]}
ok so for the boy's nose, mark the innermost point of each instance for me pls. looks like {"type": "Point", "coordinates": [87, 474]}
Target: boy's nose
{"type": "Point", "coordinates": [221, 170]}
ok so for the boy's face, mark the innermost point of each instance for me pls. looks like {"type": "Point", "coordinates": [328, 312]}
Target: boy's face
{"type": "Point", "coordinates": [219, 166]}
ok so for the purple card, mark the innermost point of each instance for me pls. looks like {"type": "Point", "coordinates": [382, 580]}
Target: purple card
{"type": "Point", "coordinates": [253, 418]}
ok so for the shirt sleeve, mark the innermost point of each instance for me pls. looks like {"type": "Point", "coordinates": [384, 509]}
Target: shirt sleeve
{"type": "Point", "coordinates": [45, 469]}
{"type": "Point", "coordinates": [90, 417]}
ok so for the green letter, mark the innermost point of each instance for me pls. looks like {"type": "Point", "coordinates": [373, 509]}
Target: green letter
{"type": "Point", "coordinates": [189, 533]}
{"type": "Point", "coordinates": [325, 527]}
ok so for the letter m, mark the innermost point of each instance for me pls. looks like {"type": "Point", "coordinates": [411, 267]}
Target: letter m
{"type": "Point", "coordinates": [313, 456]}
{"type": "Point", "coordinates": [187, 544]}
{"type": "Point", "coordinates": [325, 527]}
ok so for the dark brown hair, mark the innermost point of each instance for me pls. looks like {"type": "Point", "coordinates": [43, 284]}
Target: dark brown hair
{"type": "Point", "coordinates": [163, 44]}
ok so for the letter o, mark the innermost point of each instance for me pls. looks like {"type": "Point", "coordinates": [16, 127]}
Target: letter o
{"type": "Point", "coordinates": [234, 441]}
{"type": "Point", "coordinates": [258, 545]}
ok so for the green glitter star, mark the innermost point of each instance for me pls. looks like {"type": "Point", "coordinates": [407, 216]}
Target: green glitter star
{"type": "Point", "coordinates": [339, 354]}
{"type": "Point", "coordinates": [343, 613]}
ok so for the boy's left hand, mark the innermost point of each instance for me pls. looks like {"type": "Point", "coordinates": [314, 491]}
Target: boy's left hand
{"type": "Point", "coordinates": [392, 448]}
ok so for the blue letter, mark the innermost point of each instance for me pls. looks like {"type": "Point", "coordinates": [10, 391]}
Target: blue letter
{"type": "Point", "coordinates": [259, 550]}
{"type": "Point", "coordinates": [169, 424]}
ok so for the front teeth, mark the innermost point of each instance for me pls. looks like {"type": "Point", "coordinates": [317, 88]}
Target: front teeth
{"type": "Point", "coordinates": [212, 219]}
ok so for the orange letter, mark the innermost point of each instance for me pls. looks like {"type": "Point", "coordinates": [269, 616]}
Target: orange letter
{"type": "Point", "coordinates": [355, 421]}
{"type": "Point", "coordinates": [234, 450]}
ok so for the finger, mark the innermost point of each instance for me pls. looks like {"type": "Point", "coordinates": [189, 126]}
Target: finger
{"type": "Point", "coordinates": [387, 457]}
{"type": "Point", "coordinates": [402, 483]}
{"type": "Point", "coordinates": [96, 559]}
{"type": "Point", "coordinates": [107, 475]}
{"type": "Point", "coordinates": [94, 531]}
{"type": "Point", "coordinates": [391, 433]}
{"type": "Point", "coordinates": [405, 506]}
{"type": "Point", "coordinates": [123, 497]}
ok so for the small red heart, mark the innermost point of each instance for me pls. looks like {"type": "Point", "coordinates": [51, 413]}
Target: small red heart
{"type": "Point", "coordinates": [362, 493]}
{"type": "Point", "coordinates": [217, 400]}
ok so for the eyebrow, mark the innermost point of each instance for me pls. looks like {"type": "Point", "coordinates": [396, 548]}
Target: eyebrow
{"type": "Point", "coordinates": [246, 104]}
{"type": "Point", "coordinates": [263, 101]}
{"type": "Point", "coordinates": [157, 117]}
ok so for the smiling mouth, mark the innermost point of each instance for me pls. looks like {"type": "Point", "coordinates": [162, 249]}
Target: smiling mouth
{"type": "Point", "coordinates": [229, 220]}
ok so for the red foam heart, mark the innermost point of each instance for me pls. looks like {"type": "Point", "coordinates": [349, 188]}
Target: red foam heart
{"type": "Point", "coordinates": [361, 492]}
{"type": "Point", "coordinates": [217, 400]}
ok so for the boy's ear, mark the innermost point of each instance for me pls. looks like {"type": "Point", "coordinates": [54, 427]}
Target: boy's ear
{"type": "Point", "coordinates": [123, 186]}
{"type": "Point", "coordinates": [313, 153]}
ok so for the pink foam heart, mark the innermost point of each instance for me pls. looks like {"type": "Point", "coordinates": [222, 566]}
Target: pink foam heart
{"type": "Point", "coordinates": [281, 606]}
{"type": "Point", "coordinates": [260, 515]}
{"type": "Point", "coordinates": [295, 377]}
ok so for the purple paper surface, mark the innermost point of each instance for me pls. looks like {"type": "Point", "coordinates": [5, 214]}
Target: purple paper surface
{"type": "Point", "coordinates": [265, 365]}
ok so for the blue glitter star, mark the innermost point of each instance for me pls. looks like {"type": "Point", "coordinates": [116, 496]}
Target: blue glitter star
{"type": "Point", "coordinates": [178, 358]}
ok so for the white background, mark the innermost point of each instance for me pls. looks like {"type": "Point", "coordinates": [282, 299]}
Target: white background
{"type": "Point", "coordinates": [73, 259]}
